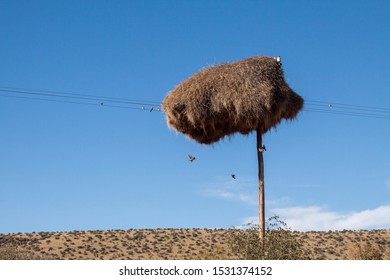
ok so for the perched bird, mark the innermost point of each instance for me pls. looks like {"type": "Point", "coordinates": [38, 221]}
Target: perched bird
{"type": "Point", "coordinates": [233, 176]}
{"type": "Point", "coordinates": [151, 109]}
{"type": "Point", "coordinates": [262, 149]}
{"type": "Point", "coordinates": [191, 158]}
{"type": "Point", "coordinates": [279, 60]}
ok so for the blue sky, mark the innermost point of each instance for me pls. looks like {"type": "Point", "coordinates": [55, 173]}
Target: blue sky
{"type": "Point", "coordinates": [67, 166]}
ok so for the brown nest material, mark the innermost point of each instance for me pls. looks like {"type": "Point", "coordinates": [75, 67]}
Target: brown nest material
{"type": "Point", "coordinates": [234, 97]}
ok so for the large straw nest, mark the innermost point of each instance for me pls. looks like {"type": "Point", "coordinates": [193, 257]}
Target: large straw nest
{"type": "Point", "coordinates": [232, 97]}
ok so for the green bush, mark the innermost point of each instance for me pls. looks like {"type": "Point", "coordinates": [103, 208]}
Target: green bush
{"type": "Point", "coordinates": [280, 243]}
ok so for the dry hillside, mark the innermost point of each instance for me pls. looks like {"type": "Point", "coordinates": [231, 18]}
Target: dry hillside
{"type": "Point", "coordinates": [155, 244]}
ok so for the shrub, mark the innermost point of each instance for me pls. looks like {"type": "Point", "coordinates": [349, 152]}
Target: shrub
{"type": "Point", "coordinates": [12, 252]}
{"type": "Point", "coordinates": [364, 251]}
{"type": "Point", "coordinates": [386, 255]}
{"type": "Point", "coordinates": [280, 243]}
{"type": "Point", "coordinates": [216, 253]}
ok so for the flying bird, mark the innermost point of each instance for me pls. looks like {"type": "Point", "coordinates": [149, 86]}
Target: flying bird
{"type": "Point", "coordinates": [191, 158]}
{"type": "Point", "coordinates": [151, 109]}
{"type": "Point", "coordinates": [233, 176]}
{"type": "Point", "coordinates": [142, 107]}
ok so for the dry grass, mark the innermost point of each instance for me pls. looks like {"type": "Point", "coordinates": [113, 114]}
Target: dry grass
{"type": "Point", "coordinates": [160, 244]}
{"type": "Point", "coordinates": [11, 249]}
{"type": "Point", "coordinates": [366, 251]}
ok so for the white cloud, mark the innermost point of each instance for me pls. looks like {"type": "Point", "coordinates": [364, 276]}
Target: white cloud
{"type": "Point", "coordinates": [231, 195]}
{"type": "Point", "coordinates": [319, 219]}
{"type": "Point", "coordinates": [375, 218]}
{"type": "Point", "coordinates": [236, 190]}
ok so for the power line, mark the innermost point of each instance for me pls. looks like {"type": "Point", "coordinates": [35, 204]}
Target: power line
{"type": "Point", "coordinates": [346, 113]}
{"type": "Point", "coordinates": [69, 101]}
{"type": "Point", "coordinates": [346, 109]}
{"type": "Point", "coordinates": [78, 96]}
{"type": "Point", "coordinates": [346, 106]}
{"type": "Point", "coordinates": [82, 99]}
{"type": "Point", "coordinates": [312, 106]}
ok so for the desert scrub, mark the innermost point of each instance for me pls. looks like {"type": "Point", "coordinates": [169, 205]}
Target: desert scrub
{"type": "Point", "coordinates": [280, 243]}
{"type": "Point", "coordinates": [217, 252]}
{"type": "Point", "coordinates": [365, 251]}
{"type": "Point", "coordinates": [12, 252]}
{"type": "Point", "coordinates": [386, 255]}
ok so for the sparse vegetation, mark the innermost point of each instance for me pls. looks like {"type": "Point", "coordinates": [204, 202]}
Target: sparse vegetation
{"type": "Point", "coordinates": [364, 251]}
{"type": "Point", "coordinates": [12, 252]}
{"type": "Point", "coordinates": [279, 243]}
{"type": "Point", "coordinates": [181, 244]}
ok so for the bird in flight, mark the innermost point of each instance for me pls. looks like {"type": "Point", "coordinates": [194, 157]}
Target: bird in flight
{"type": "Point", "coordinates": [233, 176]}
{"type": "Point", "coordinates": [191, 158]}
{"type": "Point", "coordinates": [151, 109]}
